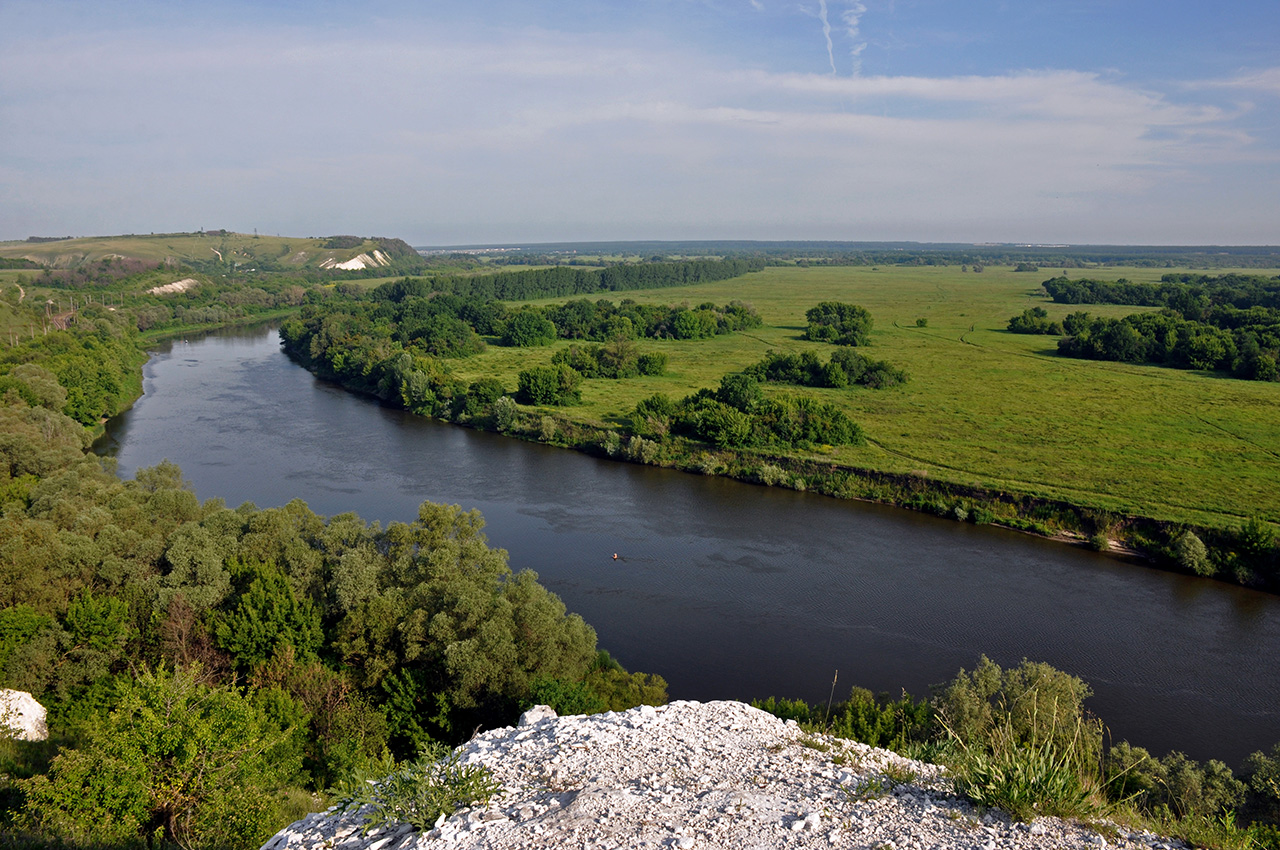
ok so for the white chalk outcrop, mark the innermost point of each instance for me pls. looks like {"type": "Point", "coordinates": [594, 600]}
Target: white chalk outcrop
{"type": "Point", "coordinates": [177, 286]}
{"type": "Point", "coordinates": [361, 261]}
{"type": "Point", "coordinates": [702, 775]}
{"type": "Point", "coordinates": [22, 717]}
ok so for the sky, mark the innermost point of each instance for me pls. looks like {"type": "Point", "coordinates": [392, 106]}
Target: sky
{"type": "Point", "coordinates": [447, 122]}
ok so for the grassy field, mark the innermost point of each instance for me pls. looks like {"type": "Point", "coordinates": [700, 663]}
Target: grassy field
{"type": "Point", "coordinates": [985, 406]}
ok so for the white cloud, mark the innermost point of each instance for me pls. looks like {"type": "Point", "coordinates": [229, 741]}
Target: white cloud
{"type": "Point", "coordinates": [427, 132]}
{"type": "Point", "coordinates": [1266, 80]}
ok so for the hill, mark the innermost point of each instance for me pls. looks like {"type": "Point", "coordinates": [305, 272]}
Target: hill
{"type": "Point", "coordinates": [221, 250]}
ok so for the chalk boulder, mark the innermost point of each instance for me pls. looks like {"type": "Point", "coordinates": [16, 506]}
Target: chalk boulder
{"type": "Point", "coordinates": [22, 717]}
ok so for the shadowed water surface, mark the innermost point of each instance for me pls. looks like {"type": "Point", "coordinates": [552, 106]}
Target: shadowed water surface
{"type": "Point", "coordinates": [728, 589]}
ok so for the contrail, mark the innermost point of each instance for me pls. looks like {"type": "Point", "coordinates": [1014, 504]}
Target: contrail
{"type": "Point", "coordinates": [826, 32]}
{"type": "Point", "coordinates": [851, 17]}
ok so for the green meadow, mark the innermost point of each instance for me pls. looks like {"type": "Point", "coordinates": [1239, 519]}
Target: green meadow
{"type": "Point", "coordinates": [983, 406]}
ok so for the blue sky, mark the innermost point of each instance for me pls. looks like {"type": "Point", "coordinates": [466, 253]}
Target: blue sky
{"type": "Point", "coordinates": [467, 122]}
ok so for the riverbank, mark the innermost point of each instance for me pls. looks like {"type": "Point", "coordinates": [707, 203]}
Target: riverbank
{"type": "Point", "coordinates": [1129, 538]}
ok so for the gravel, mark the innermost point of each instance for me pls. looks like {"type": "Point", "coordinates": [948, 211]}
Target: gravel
{"type": "Point", "coordinates": [704, 775]}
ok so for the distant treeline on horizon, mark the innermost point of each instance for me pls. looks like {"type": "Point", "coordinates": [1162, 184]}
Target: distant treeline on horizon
{"type": "Point", "coordinates": [900, 253]}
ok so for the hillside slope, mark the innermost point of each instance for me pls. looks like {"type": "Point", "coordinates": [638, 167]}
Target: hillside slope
{"type": "Point", "coordinates": [209, 249]}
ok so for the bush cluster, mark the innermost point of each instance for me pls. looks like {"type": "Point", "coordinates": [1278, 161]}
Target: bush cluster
{"type": "Point", "coordinates": [845, 368]}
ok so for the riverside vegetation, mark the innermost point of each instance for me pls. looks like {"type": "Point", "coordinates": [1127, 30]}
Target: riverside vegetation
{"type": "Point", "coordinates": [968, 422]}
{"type": "Point", "coordinates": [211, 672]}
{"type": "Point", "coordinates": [1020, 740]}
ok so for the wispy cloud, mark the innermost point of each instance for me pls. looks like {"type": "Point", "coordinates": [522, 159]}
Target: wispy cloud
{"type": "Point", "coordinates": [452, 134]}
{"type": "Point", "coordinates": [1266, 80]}
{"type": "Point", "coordinates": [852, 18]}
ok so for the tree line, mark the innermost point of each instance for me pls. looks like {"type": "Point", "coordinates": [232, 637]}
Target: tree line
{"type": "Point", "coordinates": [1229, 323]}
{"type": "Point", "coordinates": [562, 281]}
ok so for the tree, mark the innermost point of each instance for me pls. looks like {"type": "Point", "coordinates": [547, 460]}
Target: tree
{"type": "Point", "coordinates": [842, 324]}
{"type": "Point", "coordinates": [1193, 555]}
{"type": "Point", "coordinates": [557, 385]}
{"type": "Point", "coordinates": [528, 327]}
{"type": "Point", "coordinates": [266, 617]}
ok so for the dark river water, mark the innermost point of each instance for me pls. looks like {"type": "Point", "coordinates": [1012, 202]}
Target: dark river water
{"type": "Point", "coordinates": [730, 590]}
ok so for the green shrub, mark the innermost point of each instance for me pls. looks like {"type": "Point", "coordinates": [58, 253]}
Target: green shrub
{"type": "Point", "coordinates": [201, 762]}
{"type": "Point", "coordinates": [527, 328]}
{"type": "Point", "coordinates": [785, 709]}
{"type": "Point", "coordinates": [1033, 702]}
{"type": "Point", "coordinates": [1193, 555]}
{"type": "Point", "coordinates": [555, 385]}
{"type": "Point", "coordinates": [1028, 779]}
{"type": "Point", "coordinates": [420, 791]}
{"type": "Point", "coordinates": [881, 722]}
{"type": "Point", "coordinates": [565, 697]}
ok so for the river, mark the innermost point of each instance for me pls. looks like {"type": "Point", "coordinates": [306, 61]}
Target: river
{"type": "Point", "coordinates": [730, 590]}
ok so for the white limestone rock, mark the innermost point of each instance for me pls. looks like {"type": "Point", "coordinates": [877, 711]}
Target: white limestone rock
{"type": "Point", "coordinates": [694, 775]}
{"type": "Point", "coordinates": [21, 717]}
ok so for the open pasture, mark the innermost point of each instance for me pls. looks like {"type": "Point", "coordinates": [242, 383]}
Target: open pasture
{"type": "Point", "coordinates": [984, 406]}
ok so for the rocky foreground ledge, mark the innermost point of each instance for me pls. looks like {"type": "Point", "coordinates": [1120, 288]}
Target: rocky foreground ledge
{"type": "Point", "coordinates": [704, 775]}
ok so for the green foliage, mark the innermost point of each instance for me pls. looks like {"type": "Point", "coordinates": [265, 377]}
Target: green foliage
{"type": "Point", "coordinates": [839, 323]}
{"type": "Point", "coordinates": [619, 690]}
{"type": "Point", "coordinates": [881, 722]}
{"type": "Point", "coordinates": [1174, 782]}
{"type": "Point", "coordinates": [417, 793]}
{"type": "Point", "coordinates": [1028, 773]}
{"type": "Point", "coordinates": [785, 709]}
{"type": "Point", "coordinates": [1034, 320]}
{"type": "Point", "coordinates": [900, 724]}
{"type": "Point", "coordinates": [566, 698]}
{"type": "Point", "coordinates": [1031, 704]}
{"type": "Point", "coordinates": [563, 282]}
{"type": "Point", "coordinates": [617, 359]}
{"type": "Point", "coordinates": [554, 385]}
{"type": "Point", "coordinates": [1263, 771]}
{"type": "Point", "coordinates": [1192, 555]}
{"type": "Point", "coordinates": [844, 368]}
{"type": "Point", "coordinates": [1228, 323]}
{"type": "Point", "coordinates": [526, 328]}
{"type": "Point", "coordinates": [19, 625]}
{"type": "Point", "coordinates": [196, 763]}
{"type": "Point", "coordinates": [265, 617]}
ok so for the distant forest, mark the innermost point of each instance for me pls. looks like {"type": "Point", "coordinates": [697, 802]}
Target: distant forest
{"type": "Point", "coordinates": [902, 253]}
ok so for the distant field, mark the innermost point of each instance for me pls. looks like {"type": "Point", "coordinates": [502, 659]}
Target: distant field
{"type": "Point", "coordinates": [985, 406]}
